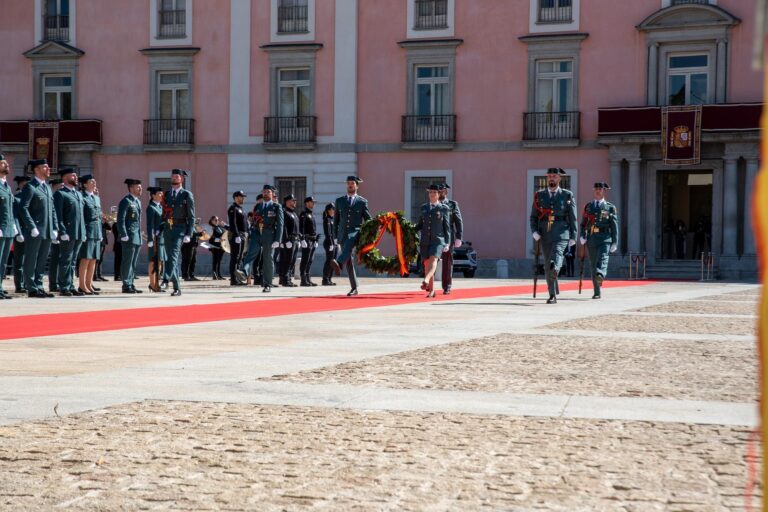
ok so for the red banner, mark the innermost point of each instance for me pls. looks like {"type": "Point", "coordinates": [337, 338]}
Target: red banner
{"type": "Point", "coordinates": [681, 134]}
{"type": "Point", "coordinates": [44, 142]}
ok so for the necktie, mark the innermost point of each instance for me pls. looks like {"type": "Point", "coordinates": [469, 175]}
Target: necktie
{"type": "Point", "coordinates": [349, 198]}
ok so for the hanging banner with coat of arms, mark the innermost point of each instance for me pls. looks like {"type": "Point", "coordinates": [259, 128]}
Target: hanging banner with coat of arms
{"type": "Point", "coordinates": [681, 134]}
{"type": "Point", "coordinates": [44, 142]}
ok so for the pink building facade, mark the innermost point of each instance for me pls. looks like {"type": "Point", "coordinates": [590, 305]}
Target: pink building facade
{"type": "Point", "coordinates": [482, 95]}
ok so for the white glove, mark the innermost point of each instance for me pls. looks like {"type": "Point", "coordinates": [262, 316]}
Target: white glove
{"type": "Point", "coordinates": [288, 245]}
{"type": "Point", "coordinates": [316, 244]}
{"type": "Point", "coordinates": [124, 238]}
{"type": "Point", "coordinates": [613, 248]}
{"type": "Point", "coordinates": [571, 243]}
{"type": "Point", "coordinates": [217, 240]}
{"type": "Point", "coordinates": [35, 233]}
{"type": "Point", "coordinates": [65, 237]}
{"type": "Point", "coordinates": [157, 232]}
{"type": "Point", "coordinates": [582, 240]}
{"type": "Point", "coordinates": [150, 244]}
{"type": "Point", "coordinates": [457, 243]}
{"type": "Point", "coordinates": [187, 239]}
{"type": "Point", "coordinates": [20, 239]}
{"type": "Point", "coordinates": [303, 244]}
{"type": "Point", "coordinates": [238, 239]}
{"type": "Point", "coordinates": [275, 245]}
{"type": "Point", "coordinates": [445, 249]}
{"type": "Point", "coordinates": [55, 234]}
{"type": "Point", "coordinates": [1, 233]}
{"type": "Point", "coordinates": [536, 236]}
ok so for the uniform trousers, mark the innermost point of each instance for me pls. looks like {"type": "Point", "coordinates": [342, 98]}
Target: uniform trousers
{"type": "Point", "coordinates": [174, 238]}
{"type": "Point", "coordinates": [35, 256]}
{"type": "Point", "coordinates": [5, 250]}
{"type": "Point", "coordinates": [346, 259]}
{"type": "Point", "coordinates": [130, 256]}
{"type": "Point", "coordinates": [18, 265]}
{"type": "Point", "coordinates": [554, 252]}
{"type": "Point", "coordinates": [68, 252]}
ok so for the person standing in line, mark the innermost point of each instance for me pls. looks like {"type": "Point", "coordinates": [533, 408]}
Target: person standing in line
{"type": "Point", "coordinates": [181, 210]}
{"type": "Point", "coordinates": [330, 244]}
{"type": "Point", "coordinates": [68, 202]}
{"type": "Point", "coordinates": [238, 231]}
{"type": "Point", "coordinates": [253, 256]}
{"type": "Point", "coordinates": [309, 238]}
{"type": "Point", "coordinates": [54, 253]}
{"type": "Point", "coordinates": [8, 224]}
{"type": "Point", "coordinates": [290, 241]}
{"type": "Point", "coordinates": [435, 227]}
{"type": "Point", "coordinates": [215, 246]}
{"type": "Point", "coordinates": [91, 248]}
{"type": "Point", "coordinates": [18, 243]}
{"type": "Point", "coordinates": [268, 218]}
{"type": "Point", "coordinates": [156, 232]}
{"type": "Point", "coordinates": [38, 224]}
{"type": "Point", "coordinates": [351, 212]}
{"type": "Point", "coordinates": [456, 232]}
{"type": "Point", "coordinates": [105, 229]}
{"type": "Point", "coordinates": [129, 229]}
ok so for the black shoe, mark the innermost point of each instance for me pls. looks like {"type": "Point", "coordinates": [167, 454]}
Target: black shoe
{"type": "Point", "coordinates": [101, 278]}
{"type": "Point", "coordinates": [77, 293]}
{"type": "Point", "coordinates": [83, 292]}
{"type": "Point", "coordinates": [129, 290]}
{"type": "Point", "coordinates": [176, 293]}
{"type": "Point", "coordinates": [193, 278]}
{"type": "Point", "coordinates": [266, 289]}
{"type": "Point", "coordinates": [236, 283]}
{"type": "Point", "coordinates": [596, 296]}
{"type": "Point", "coordinates": [3, 297]}
{"type": "Point", "coordinates": [53, 289]}
{"type": "Point", "coordinates": [21, 290]}
{"type": "Point", "coordinates": [135, 290]}
{"type": "Point", "coordinates": [95, 289]}
{"type": "Point", "coordinates": [552, 300]}
{"type": "Point", "coordinates": [118, 278]}
{"type": "Point", "coordinates": [8, 297]}
{"type": "Point", "coordinates": [304, 282]}
{"type": "Point", "coordinates": [352, 292]}
{"type": "Point", "coordinates": [326, 282]}
{"type": "Point", "coordinates": [311, 283]}
{"type": "Point", "coordinates": [447, 291]}
{"type": "Point", "coordinates": [65, 293]}
{"type": "Point", "coordinates": [36, 295]}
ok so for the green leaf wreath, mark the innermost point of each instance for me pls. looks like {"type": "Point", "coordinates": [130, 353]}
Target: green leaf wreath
{"type": "Point", "coordinates": [372, 259]}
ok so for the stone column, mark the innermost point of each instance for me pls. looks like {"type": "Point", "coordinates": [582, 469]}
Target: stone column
{"type": "Point", "coordinates": [730, 206]}
{"type": "Point", "coordinates": [634, 207]}
{"type": "Point", "coordinates": [722, 59]}
{"type": "Point", "coordinates": [616, 191]}
{"type": "Point", "coordinates": [749, 235]}
{"type": "Point", "coordinates": [653, 74]}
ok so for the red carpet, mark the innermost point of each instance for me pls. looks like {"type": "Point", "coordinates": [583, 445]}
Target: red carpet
{"type": "Point", "coordinates": [54, 324]}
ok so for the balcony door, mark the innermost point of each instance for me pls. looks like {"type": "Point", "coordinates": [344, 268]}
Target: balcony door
{"type": "Point", "coordinates": [554, 100]}
{"type": "Point", "coordinates": [174, 109]}
{"type": "Point", "coordinates": [433, 103]}
{"type": "Point", "coordinates": [688, 79]}
{"type": "Point", "coordinates": [56, 20]}
{"type": "Point", "coordinates": [295, 106]}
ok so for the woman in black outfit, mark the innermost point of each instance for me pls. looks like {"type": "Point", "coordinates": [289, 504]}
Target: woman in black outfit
{"type": "Point", "coordinates": [330, 244]}
{"type": "Point", "coordinates": [215, 242]}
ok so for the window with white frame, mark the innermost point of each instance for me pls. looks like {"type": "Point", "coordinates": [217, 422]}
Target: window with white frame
{"type": "Point", "coordinates": [56, 20]}
{"type": "Point", "coordinates": [430, 14]}
{"type": "Point", "coordinates": [419, 196]}
{"type": "Point", "coordinates": [554, 85]}
{"type": "Point", "coordinates": [172, 19]}
{"type": "Point", "coordinates": [555, 11]}
{"type": "Point", "coordinates": [292, 16]}
{"type": "Point", "coordinates": [294, 93]}
{"type": "Point", "coordinates": [688, 79]}
{"type": "Point", "coordinates": [432, 94]}
{"type": "Point", "coordinates": [683, 2]}
{"type": "Point", "coordinates": [173, 95]}
{"type": "Point", "coordinates": [57, 96]}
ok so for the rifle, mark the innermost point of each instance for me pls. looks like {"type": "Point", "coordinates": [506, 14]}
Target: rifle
{"type": "Point", "coordinates": [583, 249]}
{"type": "Point", "coordinates": [537, 255]}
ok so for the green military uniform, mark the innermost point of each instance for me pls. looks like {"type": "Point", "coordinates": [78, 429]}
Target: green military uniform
{"type": "Point", "coordinates": [38, 218]}
{"type": "Point", "coordinates": [457, 233]}
{"type": "Point", "coordinates": [553, 217]}
{"type": "Point", "coordinates": [18, 243]}
{"type": "Point", "coordinates": [268, 218]}
{"type": "Point", "coordinates": [181, 225]}
{"type": "Point", "coordinates": [351, 212]}
{"type": "Point", "coordinates": [129, 231]}
{"type": "Point", "coordinates": [91, 248]}
{"type": "Point", "coordinates": [8, 229]}
{"type": "Point", "coordinates": [600, 230]}
{"type": "Point", "coordinates": [156, 232]}
{"type": "Point", "coordinates": [69, 212]}
{"type": "Point", "coordinates": [434, 224]}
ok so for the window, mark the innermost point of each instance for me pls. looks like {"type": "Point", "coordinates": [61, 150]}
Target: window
{"type": "Point", "coordinates": [292, 17]}
{"type": "Point", "coordinates": [540, 182]}
{"type": "Point", "coordinates": [56, 20]}
{"type": "Point", "coordinates": [291, 185]}
{"type": "Point", "coordinates": [688, 79]}
{"type": "Point", "coordinates": [555, 11]}
{"type": "Point", "coordinates": [419, 193]}
{"type": "Point", "coordinates": [432, 91]}
{"type": "Point", "coordinates": [431, 14]}
{"type": "Point", "coordinates": [57, 97]}
{"type": "Point", "coordinates": [681, 2]}
{"type": "Point", "coordinates": [173, 100]}
{"type": "Point", "coordinates": [172, 19]}
{"type": "Point", "coordinates": [554, 116]}
{"type": "Point", "coordinates": [173, 123]}
{"type": "Point", "coordinates": [294, 94]}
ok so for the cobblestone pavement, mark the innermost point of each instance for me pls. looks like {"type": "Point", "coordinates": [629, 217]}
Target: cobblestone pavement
{"type": "Point", "coordinates": [562, 365]}
{"type": "Point", "coordinates": [202, 456]}
{"type": "Point", "coordinates": [704, 307]}
{"type": "Point", "coordinates": [662, 324]}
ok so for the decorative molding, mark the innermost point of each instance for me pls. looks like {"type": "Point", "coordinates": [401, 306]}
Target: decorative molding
{"type": "Point", "coordinates": [154, 9]}
{"type": "Point", "coordinates": [276, 37]}
{"type": "Point", "coordinates": [416, 33]}
{"type": "Point", "coordinates": [534, 26]}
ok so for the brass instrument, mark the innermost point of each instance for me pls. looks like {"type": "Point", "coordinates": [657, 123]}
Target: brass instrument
{"type": "Point", "coordinates": [225, 242]}
{"type": "Point", "coordinates": [204, 235]}
{"type": "Point", "coordinates": [113, 214]}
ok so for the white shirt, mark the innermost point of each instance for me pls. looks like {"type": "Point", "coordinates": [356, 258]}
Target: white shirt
{"type": "Point", "coordinates": [351, 198]}
{"type": "Point", "coordinates": [39, 180]}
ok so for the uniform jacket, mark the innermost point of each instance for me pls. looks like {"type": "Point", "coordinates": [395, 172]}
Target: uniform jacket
{"type": "Point", "coordinates": [183, 208]}
{"type": "Point", "coordinates": [434, 224]}
{"type": "Point", "coordinates": [270, 216]}
{"type": "Point", "coordinates": [600, 223]}
{"type": "Point", "coordinates": [92, 216]}
{"type": "Point", "coordinates": [329, 230]}
{"type": "Point", "coordinates": [17, 209]}
{"type": "Point", "coordinates": [69, 213]}
{"type": "Point", "coordinates": [553, 216]}
{"type": "Point", "coordinates": [457, 223]}
{"type": "Point", "coordinates": [349, 218]}
{"type": "Point", "coordinates": [218, 233]}
{"type": "Point", "coordinates": [236, 219]}
{"type": "Point", "coordinates": [7, 218]}
{"type": "Point", "coordinates": [129, 219]}
{"type": "Point", "coordinates": [156, 225]}
{"type": "Point", "coordinates": [37, 210]}
{"type": "Point", "coordinates": [308, 226]}
{"type": "Point", "coordinates": [290, 226]}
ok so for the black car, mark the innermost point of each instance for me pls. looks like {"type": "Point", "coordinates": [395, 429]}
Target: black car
{"type": "Point", "coordinates": [464, 261]}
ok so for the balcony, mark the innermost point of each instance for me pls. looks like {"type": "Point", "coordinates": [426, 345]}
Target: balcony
{"type": "Point", "coordinates": [56, 28]}
{"type": "Point", "coordinates": [683, 2]}
{"type": "Point", "coordinates": [292, 19]}
{"type": "Point", "coordinates": [551, 128]}
{"type": "Point", "coordinates": [431, 14]}
{"type": "Point", "coordinates": [290, 133]}
{"type": "Point", "coordinates": [430, 132]}
{"type": "Point", "coordinates": [172, 24]}
{"type": "Point", "coordinates": [169, 134]}
{"type": "Point", "coordinates": [557, 13]}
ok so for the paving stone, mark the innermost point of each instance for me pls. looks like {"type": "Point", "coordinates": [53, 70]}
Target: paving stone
{"type": "Point", "coordinates": [705, 307]}
{"type": "Point", "coordinates": [662, 324]}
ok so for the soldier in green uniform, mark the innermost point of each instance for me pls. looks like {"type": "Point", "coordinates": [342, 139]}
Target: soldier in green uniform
{"type": "Point", "coordinates": [156, 232]}
{"type": "Point", "coordinates": [600, 233]}
{"type": "Point", "coordinates": [91, 247]}
{"type": "Point", "coordinates": [180, 205]}
{"type": "Point", "coordinates": [435, 227]}
{"type": "Point", "coordinates": [38, 225]}
{"type": "Point", "coordinates": [53, 258]}
{"type": "Point", "coordinates": [351, 212]}
{"type": "Point", "coordinates": [457, 231]}
{"type": "Point", "coordinates": [68, 202]}
{"type": "Point", "coordinates": [129, 231]}
{"type": "Point", "coordinates": [268, 219]}
{"type": "Point", "coordinates": [8, 225]}
{"type": "Point", "coordinates": [554, 225]}
{"type": "Point", "coordinates": [18, 243]}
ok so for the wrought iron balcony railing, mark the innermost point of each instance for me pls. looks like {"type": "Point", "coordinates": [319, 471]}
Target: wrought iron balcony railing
{"type": "Point", "coordinates": [290, 130]}
{"type": "Point", "coordinates": [681, 2]}
{"type": "Point", "coordinates": [556, 13]}
{"type": "Point", "coordinates": [431, 14]}
{"type": "Point", "coordinates": [56, 28]}
{"type": "Point", "coordinates": [292, 19]}
{"type": "Point", "coordinates": [172, 24]}
{"type": "Point", "coordinates": [169, 131]}
{"type": "Point", "coordinates": [429, 129]}
{"type": "Point", "coordinates": [551, 125]}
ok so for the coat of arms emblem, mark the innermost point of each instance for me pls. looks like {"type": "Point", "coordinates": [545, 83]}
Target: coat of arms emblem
{"type": "Point", "coordinates": [680, 137]}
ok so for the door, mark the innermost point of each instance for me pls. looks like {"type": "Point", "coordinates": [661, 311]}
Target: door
{"type": "Point", "coordinates": [685, 229]}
